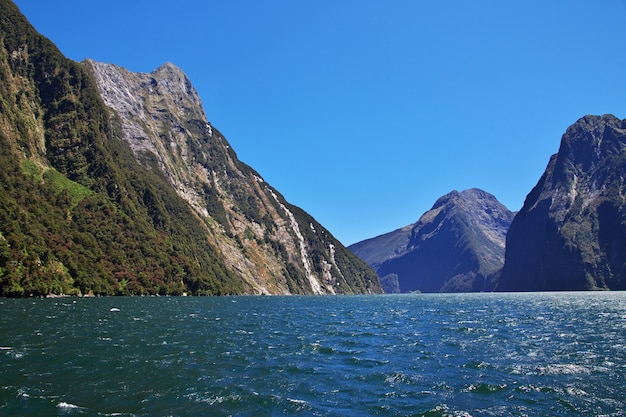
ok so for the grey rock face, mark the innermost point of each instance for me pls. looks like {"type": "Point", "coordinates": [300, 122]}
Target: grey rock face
{"type": "Point", "coordinates": [457, 246]}
{"type": "Point", "coordinates": [571, 232]}
{"type": "Point", "coordinates": [156, 105]}
{"type": "Point", "coordinates": [274, 247]}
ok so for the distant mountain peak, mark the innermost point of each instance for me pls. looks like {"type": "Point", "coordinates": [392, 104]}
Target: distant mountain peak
{"type": "Point", "coordinates": [169, 67]}
{"type": "Point", "coordinates": [455, 246]}
{"type": "Point", "coordinates": [477, 207]}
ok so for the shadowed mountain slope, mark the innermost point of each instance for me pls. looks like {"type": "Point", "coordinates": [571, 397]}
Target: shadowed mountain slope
{"type": "Point", "coordinates": [571, 232]}
{"type": "Point", "coordinates": [457, 246]}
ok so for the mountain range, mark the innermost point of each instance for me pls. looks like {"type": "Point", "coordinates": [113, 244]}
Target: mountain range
{"type": "Point", "coordinates": [569, 235]}
{"type": "Point", "coordinates": [115, 182]}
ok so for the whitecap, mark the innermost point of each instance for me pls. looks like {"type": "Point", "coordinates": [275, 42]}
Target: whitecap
{"type": "Point", "coordinates": [68, 406]}
{"type": "Point", "coordinates": [397, 377]}
{"type": "Point", "coordinates": [293, 400]}
{"type": "Point", "coordinates": [63, 404]}
{"type": "Point", "coordinates": [564, 369]}
{"type": "Point", "coordinates": [299, 404]}
{"type": "Point", "coordinates": [16, 354]}
{"type": "Point", "coordinates": [576, 391]}
{"type": "Point", "coordinates": [113, 309]}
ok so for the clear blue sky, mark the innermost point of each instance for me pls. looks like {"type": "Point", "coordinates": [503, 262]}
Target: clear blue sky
{"type": "Point", "coordinates": [364, 112]}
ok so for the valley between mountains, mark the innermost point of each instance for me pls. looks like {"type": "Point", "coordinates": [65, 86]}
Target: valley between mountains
{"type": "Point", "coordinates": [569, 235]}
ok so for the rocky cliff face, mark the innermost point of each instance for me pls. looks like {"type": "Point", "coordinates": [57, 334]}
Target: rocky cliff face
{"type": "Point", "coordinates": [274, 247]}
{"type": "Point", "coordinates": [115, 183]}
{"type": "Point", "coordinates": [571, 232]}
{"type": "Point", "coordinates": [156, 111]}
{"type": "Point", "coordinates": [457, 246]}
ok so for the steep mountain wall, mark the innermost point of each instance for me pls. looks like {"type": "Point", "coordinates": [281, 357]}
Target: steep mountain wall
{"type": "Point", "coordinates": [273, 246]}
{"type": "Point", "coordinates": [78, 214]}
{"type": "Point", "coordinates": [571, 232]}
{"type": "Point", "coordinates": [140, 195]}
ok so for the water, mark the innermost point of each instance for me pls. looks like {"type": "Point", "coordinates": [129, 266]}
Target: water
{"type": "Point", "coordinates": [396, 355]}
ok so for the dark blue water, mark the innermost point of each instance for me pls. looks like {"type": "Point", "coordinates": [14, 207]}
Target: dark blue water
{"type": "Point", "coordinates": [435, 355]}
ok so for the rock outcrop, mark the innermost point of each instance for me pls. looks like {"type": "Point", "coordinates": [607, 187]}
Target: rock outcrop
{"type": "Point", "coordinates": [457, 246]}
{"type": "Point", "coordinates": [571, 232]}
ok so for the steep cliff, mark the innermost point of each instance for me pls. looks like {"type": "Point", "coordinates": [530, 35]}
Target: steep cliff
{"type": "Point", "coordinates": [457, 246]}
{"type": "Point", "coordinates": [571, 232]}
{"type": "Point", "coordinates": [274, 247]}
{"type": "Point", "coordinates": [140, 195]}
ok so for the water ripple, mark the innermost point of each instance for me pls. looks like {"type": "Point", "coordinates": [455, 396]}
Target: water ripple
{"type": "Point", "coordinates": [436, 355]}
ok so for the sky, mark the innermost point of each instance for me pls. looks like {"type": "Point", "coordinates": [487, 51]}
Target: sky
{"type": "Point", "coordinates": [365, 112]}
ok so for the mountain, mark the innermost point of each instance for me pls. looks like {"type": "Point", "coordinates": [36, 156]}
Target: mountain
{"type": "Point", "coordinates": [115, 183]}
{"type": "Point", "coordinates": [571, 232]}
{"type": "Point", "coordinates": [456, 246]}
{"type": "Point", "coordinates": [378, 249]}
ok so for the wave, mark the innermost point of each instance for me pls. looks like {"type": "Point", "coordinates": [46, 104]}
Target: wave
{"type": "Point", "coordinates": [65, 407]}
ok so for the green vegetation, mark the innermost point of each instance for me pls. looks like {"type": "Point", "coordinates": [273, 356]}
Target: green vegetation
{"type": "Point", "coordinates": [91, 219]}
{"type": "Point", "coordinates": [61, 183]}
